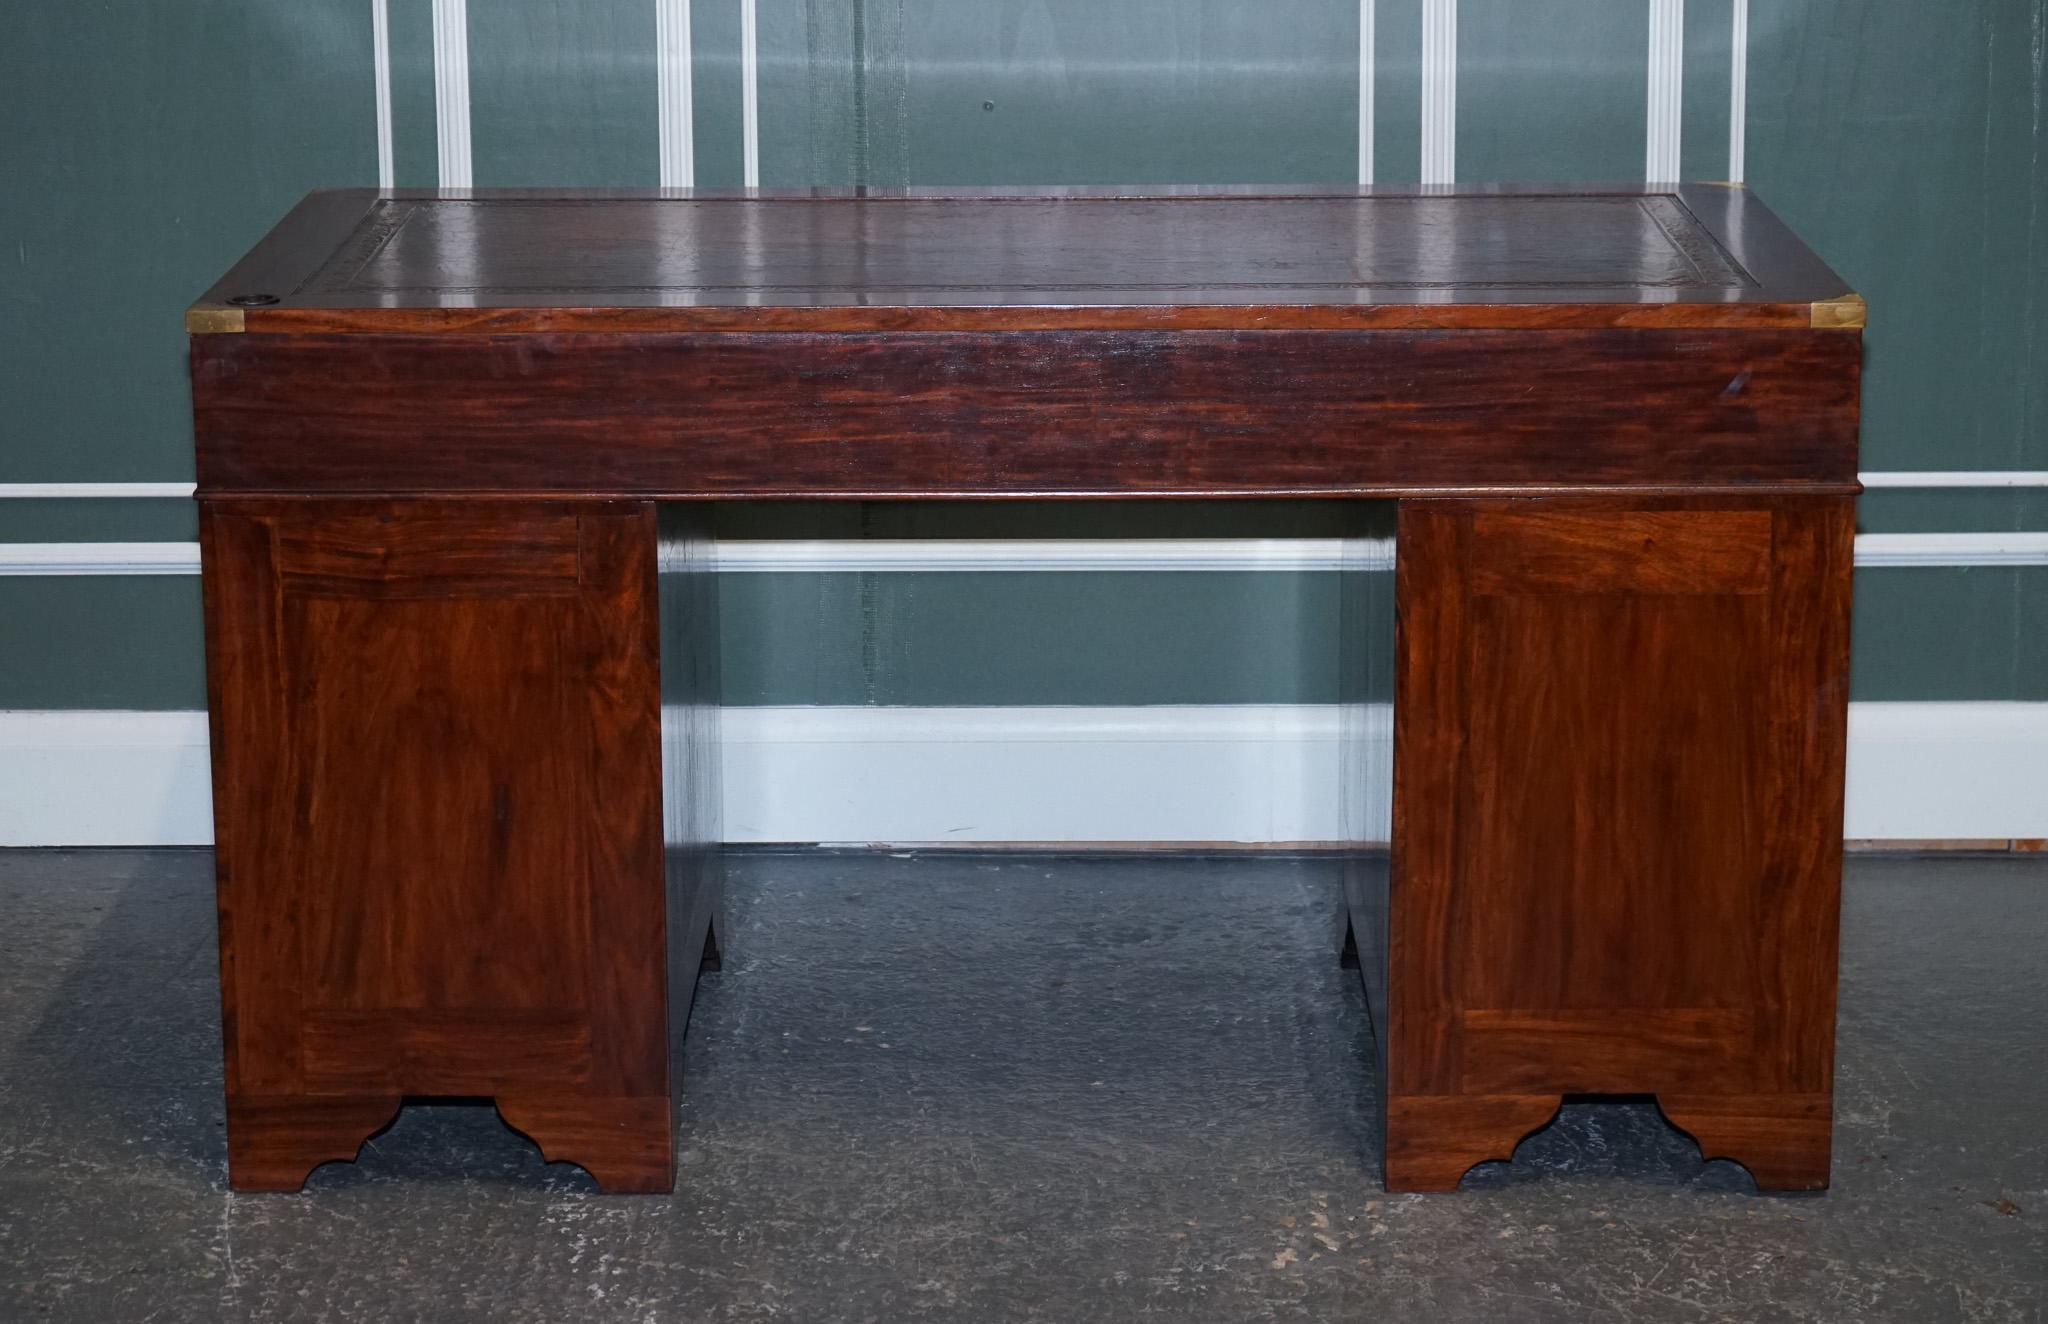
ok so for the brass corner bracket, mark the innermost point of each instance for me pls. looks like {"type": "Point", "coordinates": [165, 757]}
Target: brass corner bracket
{"type": "Point", "coordinates": [1848, 313]}
{"type": "Point", "coordinates": [212, 319]}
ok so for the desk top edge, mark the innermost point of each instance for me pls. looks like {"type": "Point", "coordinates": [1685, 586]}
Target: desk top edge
{"type": "Point", "coordinates": [1778, 283]}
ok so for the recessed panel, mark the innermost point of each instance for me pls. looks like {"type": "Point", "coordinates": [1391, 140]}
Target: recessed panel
{"type": "Point", "coordinates": [1146, 250]}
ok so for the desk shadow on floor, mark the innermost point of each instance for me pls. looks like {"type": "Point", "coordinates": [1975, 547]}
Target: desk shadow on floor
{"type": "Point", "coordinates": [1087, 994]}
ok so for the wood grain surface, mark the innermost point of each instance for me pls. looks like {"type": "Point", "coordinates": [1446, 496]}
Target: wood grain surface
{"type": "Point", "coordinates": [1617, 822]}
{"type": "Point", "coordinates": [437, 788]}
{"type": "Point", "coordinates": [1025, 414]}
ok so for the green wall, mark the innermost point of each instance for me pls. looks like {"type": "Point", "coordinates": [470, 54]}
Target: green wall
{"type": "Point", "coordinates": [146, 146]}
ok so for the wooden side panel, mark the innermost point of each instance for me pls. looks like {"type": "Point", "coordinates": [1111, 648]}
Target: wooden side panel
{"type": "Point", "coordinates": [1813, 559]}
{"type": "Point", "coordinates": [438, 815]}
{"type": "Point", "coordinates": [433, 838]}
{"type": "Point", "coordinates": [1573, 551]}
{"type": "Point", "coordinates": [615, 671]}
{"type": "Point", "coordinates": [429, 553]}
{"type": "Point", "coordinates": [1429, 737]}
{"type": "Point", "coordinates": [690, 778]}
{"type": "Point", "coordinates": [252, 728]}
{"type": "Point", "coordinates": [1618, 810]}
{"type": "Point", "coordinates": [1365, 773]}
{"type": "Point", "coordinates": [1609, 803]}
{"type": "Point", "coordinates": [385, 1050]}
{"type": "Point", "coordinates": [1023, 413]}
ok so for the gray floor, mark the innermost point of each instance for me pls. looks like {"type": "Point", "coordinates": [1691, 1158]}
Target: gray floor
{"type": "Point", "coordinates": [1019, 1088]}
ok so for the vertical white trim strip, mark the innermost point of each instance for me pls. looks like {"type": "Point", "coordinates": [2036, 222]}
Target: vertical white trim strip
{"type": "Point", "coordinates": [451, 91]}
{"type": "Point", "coordinates": [750, 94]}
{"type": "Point", "coordinates": [1651, 137]}
{"type": "Point", "coordinates": [1367, 70]}
{"type": "Point", "coordinates": [1439, 92]}
{"type": "Point", "coordinates": [1664, 134]}
{"type": "Point", "coordinates": [380, 57]}
{"type": "Point", "coordinates": [1738, 96]}
{"type": "Point", "coordinates": [675, 95]}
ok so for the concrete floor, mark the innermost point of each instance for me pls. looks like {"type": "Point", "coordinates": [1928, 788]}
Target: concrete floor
{"type": "Point", "coordinates": [1019, 1088]}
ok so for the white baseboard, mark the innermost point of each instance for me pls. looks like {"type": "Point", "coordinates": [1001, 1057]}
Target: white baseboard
{"type": "Point", "coordinates": [1948, 771]}
{"type": "Point", "coordinates": [1917, 771]}
{"type": "Point", "coordinates": [1242, 773]}
{"type": "Point", "coordinates": [104, 779]}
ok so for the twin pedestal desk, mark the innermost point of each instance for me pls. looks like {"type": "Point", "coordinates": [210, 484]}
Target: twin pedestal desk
{"type": "Point", "coordinates": [432, 429]}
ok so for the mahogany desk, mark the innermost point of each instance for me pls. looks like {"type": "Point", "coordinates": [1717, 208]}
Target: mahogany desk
{"type": "Point", "coordinates": [432, 429]}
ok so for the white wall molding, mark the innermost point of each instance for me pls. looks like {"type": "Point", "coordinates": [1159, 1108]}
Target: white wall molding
{"type": "Point", "coordinates": [1664, 132]}
{"type": "Point", "coordinates": [750, 94]}
{"type": "Point", "coordinates": [451, 92]}
{"type": "Point", "coordinates": [1037, 556]}
{"type": "Point", "coordinates": [98, 558]}
{"type": "Point", "coordinates": [1368, 71]}
{"type": "Point", "coordinates": [1439, 92]}
{"type": "Point", "coordinates": [95, 491]}
{"type": "Point", "coordinates": [1891, 550]}
{"type": "Point", "coordinates": [1738, 93]}
{"type": "Point", "coordinates": [1917, 771]}
{"type": "Point", "coordinates": [380, 65]}
{"type": "Point", "coordinates": [1943, 479]}
{"type": "Point", "coordinates": [674, 95]}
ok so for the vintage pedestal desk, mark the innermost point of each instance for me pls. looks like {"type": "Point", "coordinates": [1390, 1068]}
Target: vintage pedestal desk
{"type": "Point", "coordinates": [432, 430]}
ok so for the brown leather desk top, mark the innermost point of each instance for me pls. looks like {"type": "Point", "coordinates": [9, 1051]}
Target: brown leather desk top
{"type": "Point", "coordinates": [530, 260]}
